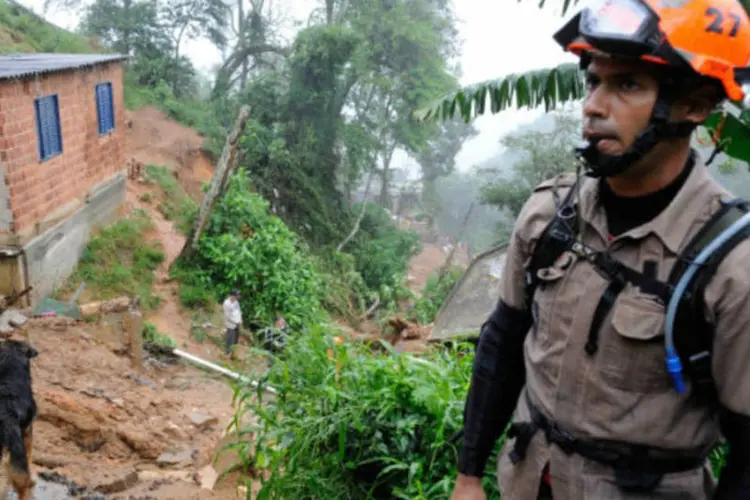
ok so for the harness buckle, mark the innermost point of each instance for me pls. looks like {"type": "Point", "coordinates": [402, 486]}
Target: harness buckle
{"type": "Point", "coordinates": [563, 439]}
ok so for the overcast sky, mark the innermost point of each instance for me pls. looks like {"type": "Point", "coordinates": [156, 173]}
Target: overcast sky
{"type": "Point", "coordinates": [499, 37]}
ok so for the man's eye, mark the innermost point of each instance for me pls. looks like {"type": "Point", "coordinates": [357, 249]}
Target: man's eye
{"type": "Point", "coordinates": [629, 86]}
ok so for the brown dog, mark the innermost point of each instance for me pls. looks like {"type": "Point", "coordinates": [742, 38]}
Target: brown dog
{"type": "Point", "coordinates": [17, 413]}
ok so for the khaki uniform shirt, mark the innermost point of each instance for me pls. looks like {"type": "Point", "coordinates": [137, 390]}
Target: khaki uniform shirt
{"type": "Point", "coordinates": [623, 392]}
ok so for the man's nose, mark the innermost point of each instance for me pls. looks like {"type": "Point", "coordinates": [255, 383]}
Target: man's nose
{"type": "Point", "coordinates": [595, 103]}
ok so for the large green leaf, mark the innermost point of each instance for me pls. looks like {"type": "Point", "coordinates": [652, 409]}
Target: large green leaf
{"type": "Point", "coordinates": [733, 135]}
{"type": "Point", "coordinates": [548, 87]}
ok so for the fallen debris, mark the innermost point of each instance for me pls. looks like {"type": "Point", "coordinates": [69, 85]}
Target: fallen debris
{"type": "Point", "coordinates": [102, 307]}
{"type": "Point", "coordinates": [406, 330]}
{"type": "Point", "coordinates": [177, 459]}
{"type": "Point", "coordinates": [10, 319]}
{"type": "Point", "coordinates": [208, 477]}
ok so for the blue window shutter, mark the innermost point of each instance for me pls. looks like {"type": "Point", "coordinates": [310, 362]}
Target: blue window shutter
{"type": "Point", "coordinates": [48, 126]}
{"type": "Point", "coordinates": [105, 107]}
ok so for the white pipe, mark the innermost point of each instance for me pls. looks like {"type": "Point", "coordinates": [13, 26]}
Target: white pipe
{"type": "Point", "coordinates": [220, 369]}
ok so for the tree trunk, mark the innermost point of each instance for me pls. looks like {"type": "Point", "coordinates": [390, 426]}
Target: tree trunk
{"type": "Point", "coordinates": [218, 181]}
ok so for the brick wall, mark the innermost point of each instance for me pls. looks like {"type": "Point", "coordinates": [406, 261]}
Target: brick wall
{"type": "Point", "coordinates": [37, 188]}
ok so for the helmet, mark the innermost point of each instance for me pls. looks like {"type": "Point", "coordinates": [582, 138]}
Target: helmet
{"type": "Point", "coordinates": [693, 41]}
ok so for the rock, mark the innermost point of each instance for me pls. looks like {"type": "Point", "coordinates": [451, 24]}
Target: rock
{"type": "Point", "coordinates": [208, 477]}
{"type": "Point", "coordinates": [91, 309]}
{"type": "Point", "coordinates": [114, 480]}
{"type": "Point", "coordinates": [50, 461]}
{"type": "Point", "coordinates": [203, 421]}
{"type": "Point", "coordinates": [174, 431]}
{"type": "Point", "coordinates": [178, 458]}
{"type": "Point", "coordinates": [139, 441]}
{"type": "Point", "coordinates": [10, 319]}
{"type": "Point", "coordinates": [15, 318]}
{"type": "Point", "coordinates": [155, 475]}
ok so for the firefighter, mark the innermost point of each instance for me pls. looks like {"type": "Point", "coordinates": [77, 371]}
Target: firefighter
{"type": "Point", "coordinates": [574, 353]}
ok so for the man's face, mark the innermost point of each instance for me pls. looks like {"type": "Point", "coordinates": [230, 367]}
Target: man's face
{"type": "Point", "coordinates": [619, 101]}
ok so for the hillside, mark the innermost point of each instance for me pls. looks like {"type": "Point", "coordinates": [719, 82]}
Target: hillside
{"type": "Point", "coordinates": [23, 31]}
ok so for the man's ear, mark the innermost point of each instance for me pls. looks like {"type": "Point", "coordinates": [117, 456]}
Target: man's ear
{"type": "Point", "coordinates": [697, 105]}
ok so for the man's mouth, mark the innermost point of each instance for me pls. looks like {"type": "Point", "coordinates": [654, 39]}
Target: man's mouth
{"type": "Point", "coordinates": [606, 143]}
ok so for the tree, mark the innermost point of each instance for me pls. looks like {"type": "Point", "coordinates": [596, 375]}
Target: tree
{"type": "Point", "coordinates": [543, 154]}
{"type": "Point", "coordinates": [191, 19]}
{"type": "Point", "coordinates": [437, 158]}
{"type": "Point", "coordinates": [729, 127]}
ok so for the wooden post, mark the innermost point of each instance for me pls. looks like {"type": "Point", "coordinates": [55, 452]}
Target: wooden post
{"type": "Point", "coordinates": [220, 179]}
{"type": "Point", "coordinates": [134, 324]}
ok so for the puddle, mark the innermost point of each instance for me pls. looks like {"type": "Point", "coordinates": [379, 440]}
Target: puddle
{"type": "Point", "coordinates": [44, 490]}
{"type": "Point", "coordinates": [53, 486]}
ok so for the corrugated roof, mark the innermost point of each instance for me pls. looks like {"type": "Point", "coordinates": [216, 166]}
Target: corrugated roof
{"type": "Point", "coordinates": [21, 65]}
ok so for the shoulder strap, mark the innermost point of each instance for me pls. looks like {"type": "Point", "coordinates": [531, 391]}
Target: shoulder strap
{"type": "Point", "coordinates": [694, 335]}
{"type": "Point", "coordinates": [556, 238]}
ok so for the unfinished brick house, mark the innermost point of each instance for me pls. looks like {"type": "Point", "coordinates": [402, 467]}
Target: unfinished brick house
{"type": "Point", "coordinates": [62, 161]}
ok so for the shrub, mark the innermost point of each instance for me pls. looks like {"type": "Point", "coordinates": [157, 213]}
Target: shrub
{"type": "Point", "coordinates": [245, 247]}
{"type": "Point", "coordinates": [349, 424]}
{"type": "Point", "coordinates": [120, 261]}
{"type": "Point", "coordinates": [434, 293]}
{"type": "Point", "coordinates": [382, 252]}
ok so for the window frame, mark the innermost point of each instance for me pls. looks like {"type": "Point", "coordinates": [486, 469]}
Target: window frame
{"type": "Point", "coordinates": [43, 147]}
{"type": "Point", "coordinates": [109, 127]}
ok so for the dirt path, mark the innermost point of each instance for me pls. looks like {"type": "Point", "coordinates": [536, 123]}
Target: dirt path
{"type": "Point", "coordinates": [103, 427]}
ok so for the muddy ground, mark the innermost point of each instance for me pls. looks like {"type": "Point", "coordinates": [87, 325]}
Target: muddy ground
{"type": "Point", "coordinates": [105, 431]}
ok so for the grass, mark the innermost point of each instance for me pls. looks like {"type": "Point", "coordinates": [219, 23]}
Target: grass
{"type": "Point", "coordinates": [151, 335]}
{"type": "Point", "coordinates": [120, 261]}
{"type": "Point", "coordinates": [176, 206]}
{"type": "Point", "coordinates": [23, 31]}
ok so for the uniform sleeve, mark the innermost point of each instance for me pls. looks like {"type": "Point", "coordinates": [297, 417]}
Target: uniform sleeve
{"type": "Point", "coordinates": [728, 299]}
{"type": "Point", "coordinates": [498, 374]}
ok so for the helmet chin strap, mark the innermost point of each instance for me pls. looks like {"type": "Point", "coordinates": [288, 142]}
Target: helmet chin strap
{"type": "Point", "coordinates": [659, 128]}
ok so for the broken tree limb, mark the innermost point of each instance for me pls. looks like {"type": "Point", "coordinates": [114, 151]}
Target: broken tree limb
{"type": "Point", "coordinates": [220, 178]}
{"type": "Point", "coordinates": [219, 369]}
{"type": "Point", "coordinates": [359, 217]}
{"type": "Point", "coordinates": [371, 310]}
{"type": "Point", "coordinates": [134, 324]}
{"type": "Point", "coordinates": [457, 239]}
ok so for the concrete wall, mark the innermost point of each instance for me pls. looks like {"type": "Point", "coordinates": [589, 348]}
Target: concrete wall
{"type": "Point", "coordinates": [52, 256]}
{"type": "Point", "coordinates": [43, 193]}
{"type": "Point", "coordinates": [6, 214]}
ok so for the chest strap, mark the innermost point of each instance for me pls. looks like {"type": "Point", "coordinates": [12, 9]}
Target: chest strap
{"type": "Point", "coordinates": [637, 467]}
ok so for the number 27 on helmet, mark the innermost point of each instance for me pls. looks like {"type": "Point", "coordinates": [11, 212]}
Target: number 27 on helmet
{"type": "Point", "coordinates": [709, 37]}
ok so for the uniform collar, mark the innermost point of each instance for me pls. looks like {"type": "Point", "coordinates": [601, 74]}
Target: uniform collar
{"type": "Point", "coordinates": [693, 204]}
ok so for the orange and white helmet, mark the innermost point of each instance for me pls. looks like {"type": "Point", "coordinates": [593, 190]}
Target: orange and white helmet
{"type": "Point", "coordinates": [705, 39]}
{"type": "Point", "coordinates": [710, 36]}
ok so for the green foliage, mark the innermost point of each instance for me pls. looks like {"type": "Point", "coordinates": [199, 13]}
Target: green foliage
{"type": "Point", "coordinates": [346, 291]}
{"type": "Point", "coordinates": [23, 31]}
{"type": "Point", "coordinates": [382, 252]}
{"type": "Point", "coordinates": [434, 293]}
{"type": "Point", "coordinates": [544, 154]}
{"type": "Point", "coordinates": [549, 87]}
{"type": "Point", "coordinates": [177, 205]}
{"type": "Point", "coordinates": [151, 335]}
{"type": "Point", "coordinates": [120, 261]}
{"type": "Point", "coordinates": [339, 422]}
{"type": "Point", "coordinates": [245, 247]}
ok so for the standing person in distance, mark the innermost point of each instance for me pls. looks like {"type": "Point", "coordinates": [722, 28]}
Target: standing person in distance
{"type": "Point", "coordinates": [232, 321]}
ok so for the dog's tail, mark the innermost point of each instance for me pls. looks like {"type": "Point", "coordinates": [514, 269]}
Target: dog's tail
{"type": "Point", "coordinates": [14, 447]}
